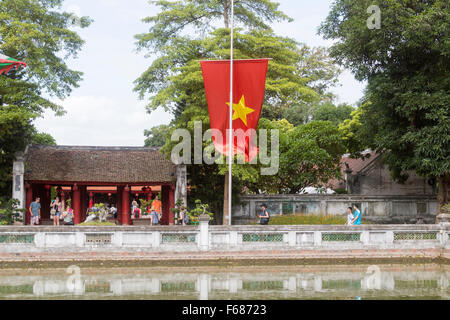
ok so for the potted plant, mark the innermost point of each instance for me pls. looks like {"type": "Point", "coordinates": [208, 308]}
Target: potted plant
{"type": "Point", "coordinates": [200, 208]}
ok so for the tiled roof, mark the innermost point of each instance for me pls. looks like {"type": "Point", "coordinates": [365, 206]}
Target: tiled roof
{"type": "Point", "coordinates": [97, 164]}
{"type": "Point", "coordinates": [356, 165]}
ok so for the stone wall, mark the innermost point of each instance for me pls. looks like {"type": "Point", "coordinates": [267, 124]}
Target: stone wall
{"type": "Point", "coordinates": [376, 179]}
{"type": "Point", "coordinates": [375, 209]}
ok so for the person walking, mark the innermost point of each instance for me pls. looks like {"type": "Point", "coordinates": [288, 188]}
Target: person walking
{"type": "Point", "coordinates": [349, 216]}
{"type": "Point", "coordinates": [134, 207]}
{"type": "Point", "coordinates": [35, 211]}
{"type": "Point", "coordinates": [357, 219]}
{"type": "Point", "coordinates": [154, 217]}
{"type": "Point", "coordinates": [265, 216]}
{"type": "Point", "coordinates": [156, 204]}
{"type": "Point", "coordinates": [182, 216]}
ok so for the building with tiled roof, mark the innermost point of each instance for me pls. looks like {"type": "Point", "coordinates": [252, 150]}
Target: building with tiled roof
{"type": "Point", "coordinates": [371, 176]}
{"type": "Point", "coordinates": [87, 175]}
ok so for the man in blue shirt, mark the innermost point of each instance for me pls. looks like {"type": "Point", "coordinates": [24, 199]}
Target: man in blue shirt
{"type": "Point", "coordinates": [357, 215]}
{"type": "Point", "coordinates": [265, 216]}
{"type": "Point", "coordinates": [35, 211]}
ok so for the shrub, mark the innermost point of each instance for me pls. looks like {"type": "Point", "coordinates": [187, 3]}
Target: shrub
{"type": "Point", "coordinates": [10, 212]}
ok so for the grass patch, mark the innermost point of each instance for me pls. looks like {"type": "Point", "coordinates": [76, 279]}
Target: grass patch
{"type": "Point", "coordinates": [97, 223]}
{"type": "Point", "coordinates": [293, 219]}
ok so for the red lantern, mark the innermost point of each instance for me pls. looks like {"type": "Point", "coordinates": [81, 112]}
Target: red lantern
{"type": "Point", "coordinates": [47, 187]}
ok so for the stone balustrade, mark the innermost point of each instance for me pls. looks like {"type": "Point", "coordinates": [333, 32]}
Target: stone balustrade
{"type": "Point", "coordinates": [222, 238]}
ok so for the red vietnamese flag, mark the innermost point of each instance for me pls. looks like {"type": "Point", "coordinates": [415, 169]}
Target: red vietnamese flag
{"type": "Point", "coordinates": [249, 80]}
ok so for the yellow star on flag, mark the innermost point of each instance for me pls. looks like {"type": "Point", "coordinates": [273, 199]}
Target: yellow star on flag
{"type": "Point", "coordinates": [241, 110]}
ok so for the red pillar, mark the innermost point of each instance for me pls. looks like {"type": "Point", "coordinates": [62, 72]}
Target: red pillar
{"type": "Point", "coordinates": [171, 204]}
{"type": "Point", "coordinates": [165, 204]}
{"type": "Point", "coordinates": [126, 206]}
{"type": "Point", "coordinates": [44, 194]}
{"type": "Point", "coordinates": [83, 202]}
{"type": "Point", "coordinates": [76, 205]}
{"type": "Point", "coordinates": [29, 199]}
{"type": "Point", "coordinates": [119, 204]}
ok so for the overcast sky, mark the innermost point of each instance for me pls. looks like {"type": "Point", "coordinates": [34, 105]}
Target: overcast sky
{"type": "Point", "coordinates": [105, 111]}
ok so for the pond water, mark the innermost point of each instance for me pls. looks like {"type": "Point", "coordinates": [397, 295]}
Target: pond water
{"type": "Point", "coordinates": [413, 281]}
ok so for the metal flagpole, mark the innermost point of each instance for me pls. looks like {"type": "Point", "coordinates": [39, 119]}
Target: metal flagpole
{"type": "Point", "coordinates": [230, 134]}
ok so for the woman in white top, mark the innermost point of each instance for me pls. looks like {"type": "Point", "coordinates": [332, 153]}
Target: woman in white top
{"type": "Point", "coordinates": [349, 216]}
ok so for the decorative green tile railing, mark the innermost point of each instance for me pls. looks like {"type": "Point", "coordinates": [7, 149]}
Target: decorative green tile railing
{"type": "Point", "coordinates": [97, 287]}
{"type": "Point", "coordinates": [177, 238]}
{"type": "Point", "coordinates": [415, 236]}
{"type": "Point", "coordinates": [177, 286]}
{"type": "Point", "coordinates": [98, 238]}
{"type": "Point", "coordinates": [265, 237]}
{"type": "Point", "coordinates": [262, 285]}
{"type": "Point", "coordinates": [341, 237]}
{"type": "Point", "coordinates": [341, 284]}
{"type": "Point", "coordinates": [19, 289]}
{"type": "Point", "coordinates": [17, 238]}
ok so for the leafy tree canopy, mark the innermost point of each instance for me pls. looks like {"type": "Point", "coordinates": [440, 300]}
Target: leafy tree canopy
{"type": "Point", "coordinates": [199, 17]}
{"type": "Point", "coordinates": [157, 136]}
{"type": "Point", "coordinates": [38, 33]}
{"type": "Point", "coordinates": [187, 31]}
{"type": "Point", "coordinates": [406, 63]}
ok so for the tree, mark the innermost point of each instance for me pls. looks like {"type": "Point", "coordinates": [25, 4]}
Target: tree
{"type": "Point", "coordinates": [201, 16]}
{"type": "Point", "coordinates": [330, 112]}
{"type": "Point", "coordinates": [296, 73]}
{"type": "Point", "coordinates": [309, 157]}
{"type": "Point", "coordinates": [406, 63]}
{"type": "Point", "coordinates": [41, 138]}
{"type": "Point", "coordinates": [175, 80]}
{"type": "Point", "coordinates": [33, 31]}
{"type": "Point", "coordinates": [157, 136]}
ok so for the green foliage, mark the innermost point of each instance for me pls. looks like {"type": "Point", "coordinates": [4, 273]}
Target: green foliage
{"type": "Point", "coordinates": [297, 75]}
{"type": "Point", "coordinates": [340, 191]}
{"type": "Point", "coordinates": [200, 208]}
{"type": "Point", "coordinates": [144, 205]}
{"type": "Point", "coordinates": [307, 219]}
{"type": "Point", "coordinates": [15, 131]}
{"type": "Point", "coordinates": [178, 205]}
{"type": "Point", "coordinates": [33, 31]}
{"type": "Point", "coordinates": [330, 112]}
{"type": "Point", "coordinates": [9, 211]}
{"type": "Point", "coordinates": [309, 156]}
{"type": "Point", "coordinates": [157, 136]}
{"type": "Point", "coordinates": [406, 64]}
{"type": "Point", "coordinates": [174, 81]}
{"type": "Point", "coordinates": [42, 138]}
{"type": "Point", "coordinates": [200, 16]}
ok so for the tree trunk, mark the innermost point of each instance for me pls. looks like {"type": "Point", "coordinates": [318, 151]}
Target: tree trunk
{"type": "Point", "coordinates": [225, 13]}
{"type": "Point", "coordinates": [225, 220]}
